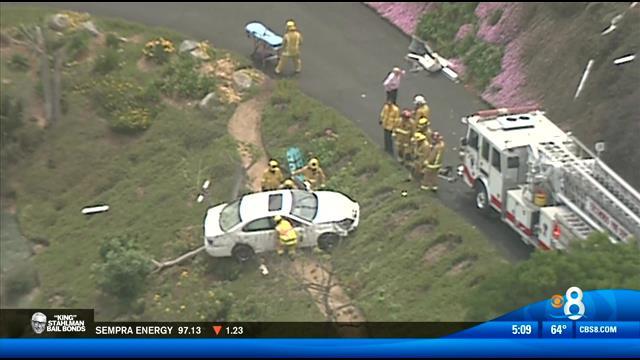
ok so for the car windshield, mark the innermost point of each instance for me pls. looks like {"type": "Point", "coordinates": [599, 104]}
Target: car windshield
{"type": "Point", "coordinates": [230, 216]}
{"type": "Point", "coordinates": [305, 205]}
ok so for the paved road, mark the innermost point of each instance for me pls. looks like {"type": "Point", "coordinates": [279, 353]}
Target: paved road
{"type": "Point", "coordinates": [347, 52]}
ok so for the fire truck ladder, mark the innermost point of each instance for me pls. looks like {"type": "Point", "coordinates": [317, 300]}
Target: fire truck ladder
{"type": "Point", "coordinates": [583, 178]}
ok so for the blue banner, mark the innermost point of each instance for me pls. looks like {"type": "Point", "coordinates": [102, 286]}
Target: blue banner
{"type": "Point", "coordinates": [305, 348]}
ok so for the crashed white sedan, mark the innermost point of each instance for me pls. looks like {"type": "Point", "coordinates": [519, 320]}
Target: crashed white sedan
{"type": "Point", "coordinates": [245, 227]}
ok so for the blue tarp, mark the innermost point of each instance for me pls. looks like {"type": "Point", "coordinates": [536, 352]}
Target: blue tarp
{"type": "Point", "coordinates": [295, 160]}
{"type": "Point", "coordinates": [259, 31]}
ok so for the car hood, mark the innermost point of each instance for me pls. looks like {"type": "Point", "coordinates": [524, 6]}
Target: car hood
{"type": "Point", "coordinates": [212, 221]}
{"type": "Point", "coordinates": [333, 206]}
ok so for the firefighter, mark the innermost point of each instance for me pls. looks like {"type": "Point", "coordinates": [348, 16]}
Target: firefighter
{"type": "Point", "coordinates": [287, 236]}
{"type": "Point", "coordinates": [389, 117]}
{"type": "Point", "coordinates": [422, 109]}
{"type": "Point", "coordinates": [433, 163]}
{"type": "Point", "coordinates": [313, 174]}
{"type": "Point", "coordinates": [421, 152]}
{"type": "Point", "coordinates": [272, 177]}
{"type": "Point", "coordinates": [423, 126]}
{"type": "Point", "coordinates": [291, 43]}
{"type": "Point", "coordinates": [402, 133]}
{"type": "Point", "coordinates": [288, 185]}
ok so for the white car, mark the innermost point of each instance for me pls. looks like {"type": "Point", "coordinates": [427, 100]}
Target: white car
{"type": "Point", "coordinates": [245, 227]}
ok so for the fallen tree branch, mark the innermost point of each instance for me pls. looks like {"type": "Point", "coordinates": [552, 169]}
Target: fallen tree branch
{"type": "Point", "coordinates": [163, 265]}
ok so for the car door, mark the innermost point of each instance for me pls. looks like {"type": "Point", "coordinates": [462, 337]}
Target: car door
{"type": "Point", "coordinates": [304, 239]}
{"type": "Point", "coordinates": [260, 234]}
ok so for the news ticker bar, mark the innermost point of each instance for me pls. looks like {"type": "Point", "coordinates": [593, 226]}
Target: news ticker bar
{"type": "Point", "coordinates": [489, 330]}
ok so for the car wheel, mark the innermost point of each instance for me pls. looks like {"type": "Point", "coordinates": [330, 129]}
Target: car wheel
{"type": "Point", "coordinates": [242, 253]}
{"type": "Point", "coordinates": [482, 199]}
{"type": "Point", "coordinates": [328, 242]}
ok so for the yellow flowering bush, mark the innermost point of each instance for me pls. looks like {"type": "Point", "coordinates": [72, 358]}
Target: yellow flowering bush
{"type": "Point", "coordinates": [159, 50]}
{"type": "Point", "coordinates": [127, 106]}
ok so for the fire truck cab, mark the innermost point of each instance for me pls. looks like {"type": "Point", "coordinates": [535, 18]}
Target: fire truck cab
{"type": "Point", "coordinates": [542, 181]}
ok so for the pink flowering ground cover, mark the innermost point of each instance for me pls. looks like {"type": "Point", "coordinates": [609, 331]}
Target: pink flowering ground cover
{"type": "Point", "coordinates": [464, 31]}
{"type": "Point", "coordinates": [404, 15]}
{"type": "Point", "coordinates": [506, 88]}
{"type": "Point", "coordinates": [506, 29]}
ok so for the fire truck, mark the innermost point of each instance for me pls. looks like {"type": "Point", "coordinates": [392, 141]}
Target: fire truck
{"type": "Point", "coordinates": [545, 184]}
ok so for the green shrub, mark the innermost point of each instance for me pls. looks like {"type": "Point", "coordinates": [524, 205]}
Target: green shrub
{"type": "Point", "coordinates": [19, 281]}
{"type": "Point", "coordinates": [78, 44]}
{"type": "Point", "coordinates": [127, 106]}
{"type": "Point", "coordinates": [439, 27]}
{"type": "Point", "coordinates": [11, 110]}
{"type": "Point", "coordinates": [465, 44]}
{"type": "Point", "coordinates": [124, 268]}
{"type": "Point", "coordinates": [182, 80]}
{"type": "Point", "coordinates": [19, 62]}
{"type": "Point", "coordinates": [495, 17]}
{"type": "Point", "coordinates": [112, 41]}
{"type": "Point", "coordinates": [107, 61]}
{"type": "Point", "coordinates": [159, 50]}
{"type": "Point", "coordinates": [484, 63]}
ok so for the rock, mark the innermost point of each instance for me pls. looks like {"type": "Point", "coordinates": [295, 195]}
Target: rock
{"type": "Point", "coordinates": [39, 249]}
{"type": "Point", "coordinates": [59, 22]}
{"type": "Point", "coordinates": [187, 45]}
{"type": "Point", "coordinates": [199, 54]}
{"type": "Point", "coordinates": [242, 80]}
{"type": "Point", "coordinates": [6, 82]}
{"type": "Point", "coordinates": [209, 101]}
{"type": "Point", "coordinates": [91, 27]}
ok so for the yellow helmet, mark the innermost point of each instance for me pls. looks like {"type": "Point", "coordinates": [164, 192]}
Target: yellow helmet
{"type": "Point", "coordinates": [314, 163]}
{"type": "Point", "coordinates": [420, 136]}
{"type": "Point", "coordinates": [273, 164]}
{"type": "Point", "coordinates": [291, 25]}
{"type": "Point", "coordinates": [277, 218]}
{"type": "Point", "coordinates": [289, 183]}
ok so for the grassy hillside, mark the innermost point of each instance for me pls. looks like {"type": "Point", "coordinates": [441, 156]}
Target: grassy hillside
{"type": "Point", "coordinates": [150, 181]}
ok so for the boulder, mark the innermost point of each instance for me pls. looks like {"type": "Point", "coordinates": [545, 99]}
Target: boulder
{"type": "Point", "coordinates": [59, 22]}
{"type": "Point", "coordinates": [187, 46]}
{"type": "Point", "coordinates": [242, 80]}
{"type": "Point", "coordinates": [199, 54]}
{"type": "Point", "coordinates": [91, 27]}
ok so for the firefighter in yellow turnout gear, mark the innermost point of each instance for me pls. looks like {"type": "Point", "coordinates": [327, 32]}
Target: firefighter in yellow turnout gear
{"type": "Point", "coordinates": [291, 43]}
{"type": "Point", "coordinates": [402, 132]}
{"type": "Point", "coordinates": [272, 177]}
{"type": "Point", "coordinates": [421, 148]}
{"type": "Point", "coordinates": [313, 174]}
{"type": "Point", "coordinates": [422, 110]}
{"type": "Point", "coordinates": [287, 236]}
{"type": "Point", "coordinates": [389, 117]}
{"type": "Point", "coordinates": [433, 163]}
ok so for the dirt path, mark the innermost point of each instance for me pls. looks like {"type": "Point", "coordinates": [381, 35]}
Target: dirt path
{"type": "Point", "coordinates": [244, 126]}
{"type": "Point", "coordinates": [318, 278]}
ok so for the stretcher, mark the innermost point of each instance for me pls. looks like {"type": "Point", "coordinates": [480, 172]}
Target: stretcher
{"type": "Point", "coordinates": [266, 43]}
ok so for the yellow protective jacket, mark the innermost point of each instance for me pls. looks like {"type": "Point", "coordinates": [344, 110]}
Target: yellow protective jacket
{"type": "Point", "coordinates": [292, 41]}
{"type": "Point", "coordinates": [272, 180]}
{"type": "Point", "coordinates": [434, 158]}
{"type": "Point", "coordinates": [316, 178]}
{"type": "Point", "coordinates": [286, 233]}
{"type": "Point", "coordinates": [404, 131]}
{"type": "Point", "coordinates": [422, 111]}
{"type": "Point", "coordinates": [390, 116]}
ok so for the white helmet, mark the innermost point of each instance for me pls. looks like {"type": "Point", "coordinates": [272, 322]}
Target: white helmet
{"type": "Point", "coordinates": [419, 100]}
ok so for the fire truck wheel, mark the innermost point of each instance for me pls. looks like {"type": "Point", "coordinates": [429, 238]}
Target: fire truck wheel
{"type": "Point", "coordinates": [482, 199]}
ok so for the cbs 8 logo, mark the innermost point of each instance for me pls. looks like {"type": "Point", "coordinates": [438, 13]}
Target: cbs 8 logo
{"type": "Point", "coordinates": [574, 301]}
